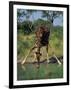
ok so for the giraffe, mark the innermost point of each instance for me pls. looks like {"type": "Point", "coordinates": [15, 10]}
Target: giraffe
{"type": "Point", "coordinates": [42, 39]}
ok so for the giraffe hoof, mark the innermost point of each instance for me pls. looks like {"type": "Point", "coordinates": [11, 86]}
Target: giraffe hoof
{"type": "Point", "coordinates": [23, 62]}
{"type": "Point", "coordinates": [48, 61]}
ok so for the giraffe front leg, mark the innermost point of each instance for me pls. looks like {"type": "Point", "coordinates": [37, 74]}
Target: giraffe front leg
{"type": "Point", "coordinates": [38, 55]}
{"type": "Point", "coordinates": [23, 61]}
{"type": "Point", "coordinates": [47, 54]}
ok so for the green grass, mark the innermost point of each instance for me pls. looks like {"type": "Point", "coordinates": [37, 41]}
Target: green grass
{"type": "Point", "coordinates": [46, 71]}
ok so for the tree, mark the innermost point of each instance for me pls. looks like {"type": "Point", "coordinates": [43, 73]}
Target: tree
{"type": "Point", "coordinates": [26, 15]}
{"type": "Point", "coordinates": [41, 22]}
{"type": "Point", "coordinates": [25, 27]}
{"type": "Point", "coordinates": [51, 15]}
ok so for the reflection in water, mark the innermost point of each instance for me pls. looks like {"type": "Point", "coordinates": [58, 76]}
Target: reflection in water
{"type": "Point", "coordinates": [45, 71]}
{"type": "Point", "coordinates": [23, 67]}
